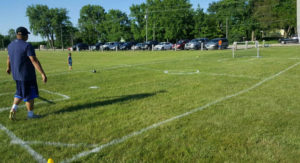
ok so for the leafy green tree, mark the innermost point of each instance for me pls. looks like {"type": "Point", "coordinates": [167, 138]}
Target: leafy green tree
{"type": "Point", "coordinates": [117, 26]}
{"type": "Point", "coordinates": [4, 41]}
{"type": "Point", "coordinates": [138, 23]}
{"type": "Point", "coordinates": [285, 11]}
{"type": "Point", "coordinates": [166, 20]}
{"type": "Point", "coordinates": [204, 24]}
{"type": "Point", "coordinates": [91, 22]}
{"type": "Point", "coordinates": [276, 14]}
{"type": "Point", "coordinates": [47, 23]}
{"type": "Point", "coordinates": [233, 18]}
{"type": "Point", "coordinates": [11, 34]}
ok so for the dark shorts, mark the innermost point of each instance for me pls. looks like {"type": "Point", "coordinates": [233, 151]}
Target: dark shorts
{"type": "Point", "coordinates": [70, 63]}
{"type": "Point", "coordinates": [27, 90]}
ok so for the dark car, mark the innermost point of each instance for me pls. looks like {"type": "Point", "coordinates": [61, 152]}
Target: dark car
{"type": "Point", "coordinates": [214, 44]}
{"type": "Point", "coordinates": [148, 45]}
{"type": "Point", "coordinates": [80, 46]}
{"type": "Point", "coordinates": [196, 43]}
{"type": "Point", "coordinates": [138, 46]}
{"type": "Point", "coordinates": [293, 39]}
{"type": "Point", "coordinates": [126, 46]}
{"type": "Point", "coordinates": [97, 46]}
{"type": "Point", "coordinates": [115, 46]}
{"type": "Point", "coordinates": [180, 44]}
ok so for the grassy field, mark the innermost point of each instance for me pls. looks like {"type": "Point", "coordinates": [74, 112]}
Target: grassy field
{"type": "Point", "coordinates": [184, 106]}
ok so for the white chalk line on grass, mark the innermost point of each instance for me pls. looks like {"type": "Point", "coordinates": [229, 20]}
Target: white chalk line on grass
{"type": "Point", "coordinates": [126, 137]}
{"type": "Point", "coordinates": [171, 72]}
{"type": "Point", "coordinates": [57, 144]}
{"type": "Point", "coordinates": [65, 97]}
{"type": "Point", "coordinates": [181, 73]}
{"type": "Point", "coordinates": [22, 143]}
{"type": "Point", "coordinates": [14, 138]}
{"type": "Point", "coordinates": [111, 68]}
{"type": "Point", "coordinates": [4, 94]}
{"type": "Point", "coordinates": [229, 75]}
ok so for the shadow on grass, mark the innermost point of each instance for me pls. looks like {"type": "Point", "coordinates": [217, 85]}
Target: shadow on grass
{"type": "Point", "coordinates": [108, 102]}
{"type": "Point", "coordinates": [45, 100]}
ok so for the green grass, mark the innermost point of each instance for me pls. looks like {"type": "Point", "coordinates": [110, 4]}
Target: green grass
{"type": "Point", "coordinates": [261, 125]}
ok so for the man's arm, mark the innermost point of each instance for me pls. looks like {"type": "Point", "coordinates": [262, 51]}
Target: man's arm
{"type": "Point", "coordinates": [8, 65]}
{"type": "Point", "coordinates": [36, 63]}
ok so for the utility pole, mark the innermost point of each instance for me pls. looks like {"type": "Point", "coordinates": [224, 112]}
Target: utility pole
{"type": "Point", "coordinates": [62, 43]}
{"type": "Point", "coordinates": [298, 19]}
{"type": "Point", "coordinates": [146, 17]}
{"type": "Point", "coordinates": [226, 27]}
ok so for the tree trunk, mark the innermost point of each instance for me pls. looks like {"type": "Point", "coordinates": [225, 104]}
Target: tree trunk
{"type": "Point", "coordinates": [288, 31]}
{"type": "Point", "coordinates": [50, 41]}
{"type": "Point", "coordinates": [253, 35]}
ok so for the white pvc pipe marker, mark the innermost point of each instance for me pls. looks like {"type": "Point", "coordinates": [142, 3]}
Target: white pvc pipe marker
{"type": "Point", "coordinates": [298, 19]}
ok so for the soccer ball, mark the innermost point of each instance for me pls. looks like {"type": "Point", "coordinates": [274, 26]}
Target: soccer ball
{"type": "Point", "coordinates": [94, 71]}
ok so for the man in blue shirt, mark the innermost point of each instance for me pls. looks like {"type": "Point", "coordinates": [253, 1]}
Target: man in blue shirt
{"type": "Point", "coordinates": [22, 62]}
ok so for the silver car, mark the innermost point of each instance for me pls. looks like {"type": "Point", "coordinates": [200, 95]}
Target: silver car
{"type": "Point", "coordinates": [195, 44]}
{"type": "Point", "coordinates": [163, 46]}
{"type": "Point", "coordinates": [214, 44]}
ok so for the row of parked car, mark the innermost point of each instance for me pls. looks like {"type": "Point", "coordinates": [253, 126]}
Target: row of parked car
{"type": "Point", "coordinates": [294, 39]}
{"type": "Point", "coordinates": [194, 44]}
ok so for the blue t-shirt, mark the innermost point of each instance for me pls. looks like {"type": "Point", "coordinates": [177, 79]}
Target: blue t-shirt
{"type": "Point", "coordinates": [70, 60]}
{"type": "Point", "coordinates": [21, 67]}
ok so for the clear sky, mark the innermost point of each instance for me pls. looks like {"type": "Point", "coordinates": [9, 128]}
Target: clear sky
{"type": "Point", "coordinates": [13, 12]}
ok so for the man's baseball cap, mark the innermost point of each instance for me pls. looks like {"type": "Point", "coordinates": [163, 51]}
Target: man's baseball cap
{"type": "Point", "coordinates": [22, 31]}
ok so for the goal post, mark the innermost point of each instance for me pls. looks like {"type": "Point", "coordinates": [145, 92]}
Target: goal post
{"type": "Point", "coordinates": [298, 19]}
{"type": "Point", "coordinates": [237, 47]}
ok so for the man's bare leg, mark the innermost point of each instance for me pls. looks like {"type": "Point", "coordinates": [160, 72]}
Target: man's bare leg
{"type": "Point", "coordinates": [30, 107]}
{"type": "Point", "coordinates": [13, 110]}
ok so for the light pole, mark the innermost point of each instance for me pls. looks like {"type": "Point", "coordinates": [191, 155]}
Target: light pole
{"type": "Point", "coordinates": [146, 17]}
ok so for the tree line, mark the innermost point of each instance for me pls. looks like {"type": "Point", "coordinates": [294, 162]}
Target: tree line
{"type": "Point", "coordinates": [164, 20]}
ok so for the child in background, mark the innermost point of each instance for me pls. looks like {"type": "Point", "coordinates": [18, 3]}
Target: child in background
{"type": "Point", "coordinates": [70, 61]}
{"type": "Point", "coordinates": [220, 44]}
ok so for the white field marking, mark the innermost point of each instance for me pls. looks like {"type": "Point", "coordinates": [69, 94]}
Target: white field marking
{"type": "Point", "coordinates": [181, 73]}
{"type": "Point", "coordinates": [229, 75]}
{"type": "Point", "coordinates": [136, 133]}
{"type": "Point", "coordinates": [144, 68]}
{"type": "Point", "coordinates": [4, 94]}
{"type": "Point", "coordinates": [13, 137]}
{"type": "Point", "coordinates": [57, 144]}
{"type": "Point", "coordinates": [198, 72]}
{"type": "Point", "coordinates": [94, 87]}
{"type": "Point", "coordinates": [107, 68]}
{"type": "Point", "coordinates": [211, 74]}
{"type": "Point", "coordinates": [65, 97]}
{"type": "Point", "coordinates": [120, 66]}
